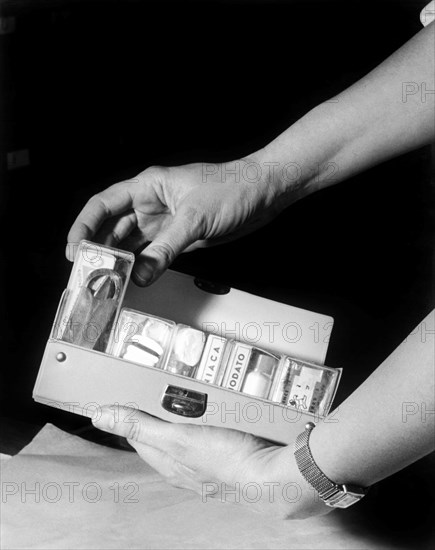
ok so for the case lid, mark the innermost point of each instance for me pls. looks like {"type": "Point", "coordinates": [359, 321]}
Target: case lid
{"type": "Point", "coordinates": [269, 324]}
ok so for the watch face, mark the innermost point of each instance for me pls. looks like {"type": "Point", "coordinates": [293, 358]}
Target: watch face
{"type": "Point", "coordinates": [346, 497]}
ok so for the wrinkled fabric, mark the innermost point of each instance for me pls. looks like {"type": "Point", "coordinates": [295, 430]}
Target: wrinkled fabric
{"type": "Point", "coordinates": [89, 496]}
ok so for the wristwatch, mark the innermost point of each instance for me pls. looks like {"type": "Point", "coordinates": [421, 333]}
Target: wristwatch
{"type": "Point", "coordinates": [332, 494]}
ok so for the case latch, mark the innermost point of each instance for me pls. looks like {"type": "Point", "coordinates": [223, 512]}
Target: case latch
{"type": "Point", "coordinates": [184, 402]}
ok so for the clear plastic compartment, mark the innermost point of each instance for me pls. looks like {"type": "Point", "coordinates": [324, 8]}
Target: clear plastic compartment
{"type": "Point", "coordinates": [305, 386]}
{"type": "Point", "coordinates": [94, 295]}
{"type": "Point", "coordinates": [260, 373]}
{"type": "Point", "coordinates": [186, 351]}
{"type": "Point", "coordinates": [141, 338]}
{"type": "Point", "coordinates": [250, 370]}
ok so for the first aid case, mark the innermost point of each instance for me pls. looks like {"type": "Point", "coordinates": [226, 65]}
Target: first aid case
{"type": "Point", "coordinates": [184, 350]}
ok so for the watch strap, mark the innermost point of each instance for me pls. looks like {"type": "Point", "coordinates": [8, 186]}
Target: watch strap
{"type": "Point", "coordinates": [333, 494]}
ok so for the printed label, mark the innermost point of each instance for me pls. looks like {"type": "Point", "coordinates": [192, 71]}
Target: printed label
{"type": "Point", "coordinates": [283, 384]}
{"type": "Point", "coordinates": [300, 394]}
{"type": "Point", "coordinates": [237, 366]}
{"type": "Point", "coordinates": [211, 359]}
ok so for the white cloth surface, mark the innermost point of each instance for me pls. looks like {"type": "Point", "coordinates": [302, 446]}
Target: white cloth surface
{"type": "Point", "coordinates": [58, 514]}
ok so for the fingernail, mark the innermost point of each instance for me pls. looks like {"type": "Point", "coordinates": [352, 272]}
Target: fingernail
{"type": "Point", "coordinates": [142, 276]}
{"type": "Point", "coordinates": [68, 253]}
{"type": "Point", "coordinates": [105, 420]}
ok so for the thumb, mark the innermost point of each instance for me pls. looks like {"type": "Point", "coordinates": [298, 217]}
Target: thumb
{"type": "Point", "coordinates": [163, 250]}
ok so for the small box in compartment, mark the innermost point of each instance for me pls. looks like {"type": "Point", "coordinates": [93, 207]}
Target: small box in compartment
{"type": "Point", "coordinates": [141, 338]}
{"type": "Point", "coordinates": [305, 386]}
{"type": "Point", "coordinates": [214, 359]}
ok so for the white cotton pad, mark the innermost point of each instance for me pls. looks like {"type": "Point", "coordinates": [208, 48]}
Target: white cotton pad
{"type": "Point", "coordinates": [156, 330]}
{"type": "Point", "coordinates": [188, 347]}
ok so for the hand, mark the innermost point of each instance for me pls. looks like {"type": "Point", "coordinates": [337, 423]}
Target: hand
{"type": "Point", "coordinates": [218, 463]}
{"type": "Point", "coordinates": [165, 211]}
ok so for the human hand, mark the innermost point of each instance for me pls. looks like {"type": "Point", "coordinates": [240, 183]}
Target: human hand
{"type": "Point", "coordinates": [219, 463]}
{"type": "Point", "coordinates": [165, 211]}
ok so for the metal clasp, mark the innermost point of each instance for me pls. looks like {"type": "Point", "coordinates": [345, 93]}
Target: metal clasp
{"type": "Point", "coordinates": [184, 402]}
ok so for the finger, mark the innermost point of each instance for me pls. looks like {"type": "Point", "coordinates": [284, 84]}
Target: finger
{"type": "Point", "coordinates": [156, 458]}
{"type": "Point", "coordinates": [135, 242]}
{"type": "Point", "coordinates": [110, 202]}
{"type": "Point", "coordinates": [145, 231]}
{"type": "Point", "coordinates": [140, 427]}
{"type": "Point", "coordinates": [183, 231]}
{"type": "Point", "coordinates": [174, 472]}
{"type": "Point", "coordinates": [115, 230]}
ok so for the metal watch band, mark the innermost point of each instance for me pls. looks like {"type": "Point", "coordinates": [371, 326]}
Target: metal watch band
{"type": "Point", "coordinates": [340, 496]}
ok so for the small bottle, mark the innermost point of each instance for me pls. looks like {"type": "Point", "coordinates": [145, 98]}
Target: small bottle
{"type": "Point", "coordinates": [260, 373]}
{"type": "Point", "coordinates": [250, 370]}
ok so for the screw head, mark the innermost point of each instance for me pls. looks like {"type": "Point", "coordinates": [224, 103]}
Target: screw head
{"type": "Point", "coordinates": [61, 357]}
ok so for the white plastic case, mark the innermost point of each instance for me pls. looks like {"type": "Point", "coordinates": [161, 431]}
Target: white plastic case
{"type": "Point", "coordinates": [81, 380]}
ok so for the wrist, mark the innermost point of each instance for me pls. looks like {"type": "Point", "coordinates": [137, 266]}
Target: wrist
{"type": "Point", "coordinates": [283, 180]}
{"type": "Point", "coordinates": [325, 456]}
{"type": "Point", "coordinates": [333, 494]}
{"type": "Point", "coordinates": [336, 457]}
{"type": "Point", "coordinates": [311, 154]}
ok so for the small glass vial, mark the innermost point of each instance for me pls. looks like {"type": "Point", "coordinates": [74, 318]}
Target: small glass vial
{"type": "Point", "coordinates": [259, 374]}
{"type": "Point", "coordinates": [186, 351]}
{"type": "Point", "coordinates": [250, 370]}
{"type": "Point", "coordinates": [141, 338]}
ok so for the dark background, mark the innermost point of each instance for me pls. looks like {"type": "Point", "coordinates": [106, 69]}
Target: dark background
{"type": "Point", "coordinates": [97, 91]}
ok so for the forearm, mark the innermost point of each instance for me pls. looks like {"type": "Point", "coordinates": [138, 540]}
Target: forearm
{"type": "Point", "coordinates": [388, 112]}
{"type": "Point", "coordinates": [388, 422]}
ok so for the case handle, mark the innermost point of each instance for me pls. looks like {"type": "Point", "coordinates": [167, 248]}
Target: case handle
{"type": "Point", "coordinates": [211, 287]}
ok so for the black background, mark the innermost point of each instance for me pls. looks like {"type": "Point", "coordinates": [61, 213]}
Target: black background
{"type": "Point", "coordinates": [98, 91]}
